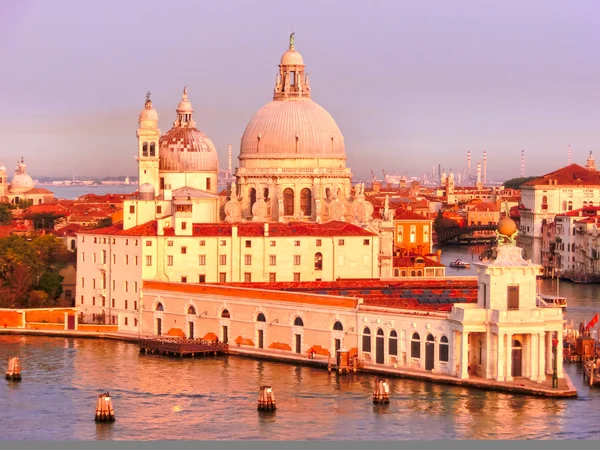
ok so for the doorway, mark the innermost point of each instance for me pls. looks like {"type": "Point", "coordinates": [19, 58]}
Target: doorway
{"type": "Point", "coordinates": [71, 322]}
{"type": "Point", "coordinates": [261, 339]}
{"type": "Point", "coordinates": [159, 326]}
{"type": "Point", "coordinates": [517, 358]}
{"type": "Point", "coordinates": [298, 344]}
{"type": "Point", "coordinates": [379, 350]}
{"type": "Point", "coordinates": [429, 353]}
{"type": "Point", "coordinates": [191, 330]}
{"type": "Point", "coordinates": [225, 335]}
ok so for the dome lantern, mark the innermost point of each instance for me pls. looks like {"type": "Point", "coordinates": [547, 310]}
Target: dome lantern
{"type": "Point", "coordinates": [148, 116]}
{"type": "Point", "coordinates": [291, 81]}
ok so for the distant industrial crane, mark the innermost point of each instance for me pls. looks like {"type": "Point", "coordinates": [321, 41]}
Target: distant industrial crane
{"type": "Point", "coordinates": [387, 185]}
{"type": "Point", "coordinates": [374, 177]}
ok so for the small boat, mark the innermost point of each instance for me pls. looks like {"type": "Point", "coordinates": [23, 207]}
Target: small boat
{"type": "Point", "coordinates": [460, 264]}
{"type": "Point", "coordinates": [591, 372]}
{"type": "Point", "coordinates": [551, 301]}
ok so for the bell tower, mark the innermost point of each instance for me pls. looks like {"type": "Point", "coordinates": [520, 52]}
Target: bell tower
{"type": "Point", "coordinates": [148, 135]}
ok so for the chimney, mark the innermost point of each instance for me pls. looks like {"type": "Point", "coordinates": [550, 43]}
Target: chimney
{"type": "Point", "coordinates": [469, 160]}
{"type": "Point", "coordinates": [478, 173]}
{"type": "Point", "coordinates": [484, 167]}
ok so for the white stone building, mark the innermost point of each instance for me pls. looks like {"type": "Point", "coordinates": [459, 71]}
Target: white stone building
{"type": "Point", "coordinates": [22, 187]}
{"type": "Point", "coordinates": [566, 189]}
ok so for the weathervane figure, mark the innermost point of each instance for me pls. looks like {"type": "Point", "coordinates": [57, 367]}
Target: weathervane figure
{"type": "Point", "coordinates": [292, 39]}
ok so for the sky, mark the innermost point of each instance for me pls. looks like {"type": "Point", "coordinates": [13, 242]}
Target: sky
{"type": "Point", "coordinates": [410, 84]}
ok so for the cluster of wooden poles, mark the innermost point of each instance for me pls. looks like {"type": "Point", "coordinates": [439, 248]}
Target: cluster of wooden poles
{"type": "Point", "coordinates": [14, 369]}
{"type": "Point", "coordinates": [381, 393]}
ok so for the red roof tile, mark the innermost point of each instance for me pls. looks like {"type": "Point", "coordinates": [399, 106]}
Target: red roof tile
{"type": "Point", "coordinates": [573, 175]}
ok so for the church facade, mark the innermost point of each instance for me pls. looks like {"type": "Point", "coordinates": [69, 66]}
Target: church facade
{"type": "Point", "coordinates": [22, 187]}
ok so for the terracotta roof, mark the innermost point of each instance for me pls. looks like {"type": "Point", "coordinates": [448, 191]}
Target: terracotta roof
{"type": "Point", "coordinates": [409, 261]}
{"type": "Point", "coordinates": [581, 212]}
{"type": "Point", "coordinates": [403, 214]}
{"type": "Point", "coordinates": [253, 292]}
{"type": "Point", "coordinates": [493, 207]}
{"type": "Point", "coordinates": [245, 229]}
{"type": "Point", "coordinates": [573, 175]}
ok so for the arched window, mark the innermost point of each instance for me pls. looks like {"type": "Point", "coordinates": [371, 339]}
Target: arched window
{"type": "Point", "coordinates": [327, 193]}
{"type": "Point", "coordinates": [544, 203]}
{"type": "Point", "coordinates": [266, 193]}
{"type": "Point", "coordinates": [152, 149]}
{"type": "Point", "coordinates": [298, 322]}
{"type": "Point", "coordinates": [570, 205]}
{"type": "Point", "coordinates": [413, 237]}
{"type": "Point", "coordinates": [425, 234]}
{"type": "Point", "coordinates": [261, 318]}
{"type": "Point", "coordinates": [338, 326]}
{"type": "Point", "coordinates": [339, 192]}
{"type": "Point", "coordinates": [415, 346]}
{"type": "Point", "coordinates": [225, 314]}
{"type": "Point", "coordinates": [160, 307]}
{"type": "Point", "coordinates": [191, 310]}
{"type": "Point", "coordinates": [399, 236]}
{"type": "Point", "coordinates": [591, 203]}
{"type": "Point", "coordinates": [252, 195]}
{"type": "Point", "coordinates": [366, 341]}
{"type": "Point", "coordinates": [306, 201]}
{"type": "Point", "coordinates": [73, 244]}
{"type": "Point", "coordinates": [145, 149]}
{"type": "Point", "coordinates": [404, 273]}
{"type": "Point", "coordinates": [288, 202]}
{"type": "Point", "coordinates": [318, 261]}
{"type": "Point", "coordinates": [584, 204]}
{"type": "Point", "coordinates": [419, 273]}
{"type": "Point", "coordinates": [393, 343]}
{"type": "Point", "coordinates": [396, 272]}
{"type": "Point", "coordinates": [444, 349]}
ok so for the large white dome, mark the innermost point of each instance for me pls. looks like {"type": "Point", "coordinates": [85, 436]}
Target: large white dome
{"type": "Point", "coordinates": [21, 183]}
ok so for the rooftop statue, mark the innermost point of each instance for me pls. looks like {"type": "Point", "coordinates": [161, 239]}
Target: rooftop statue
{"type": "Point", "coordinates": [292, 40]}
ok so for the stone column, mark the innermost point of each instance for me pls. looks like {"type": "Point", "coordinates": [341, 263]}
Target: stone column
{"type": "Point", "coordinates": [541, 357]}
{"type": "Point", "coordinates": [533, 358]}
{"type": "Point", "coordinates": [500, 356]}
{"type": "Point", "coordinates": [76, 321]}
{"type": "Point", "coordinates": [464, 356]}
{"type": "Point", "coordinates": [66, 321]}
{"type": "Point", "coordinates": [559, 354]}
{"type": "Point", "coordinates": [549, 352]}
{"type": "Point", "coordinates": [509, 357]}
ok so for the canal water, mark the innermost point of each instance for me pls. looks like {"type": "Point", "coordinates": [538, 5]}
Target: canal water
{"type": "Point", "coordinates": [215, 398]}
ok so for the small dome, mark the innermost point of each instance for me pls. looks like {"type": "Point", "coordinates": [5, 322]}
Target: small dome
{"type": "Point", "coordinates": [148, 113]}
{"type": "Point", "coordinates": [507, 226]}
{"type": "Point", "coordinates": [146, 187]}
{"type": "Point", "coordinates": [184, 105]}
{"type": "Point", "coordinates": [292, 58]}
{"type": "Point", "coordinates": [21, 182]}
{"type": "Point", "coordinates": [146, 191]}
{"type": "Point", "coordinates": [185, 149]}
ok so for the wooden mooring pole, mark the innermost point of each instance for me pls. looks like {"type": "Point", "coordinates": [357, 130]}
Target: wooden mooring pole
{"type": "Point", "coordinates": [14, 369]}
{"type": "Point", "coordinates": [381, 392]}
{"type": "Point", "coordinates": [104, 409]}
{"type": "Point", "coordinates": [266, 399]}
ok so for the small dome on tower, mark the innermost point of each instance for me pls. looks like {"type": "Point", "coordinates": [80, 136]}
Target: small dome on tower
{"type": "Point", "coordinates": [184, 105]}
{"type": "Point", "coordinates": [148, 115]}
{"type": "Point", "coordinates": [292, 58]}
{"type": "Point", "coordinates": [146, 191]}
{"type": "Point", "coordinates": [21, 182]}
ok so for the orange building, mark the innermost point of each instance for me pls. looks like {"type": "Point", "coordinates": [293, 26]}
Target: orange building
{"type": "Point", "coordinates": [412, 233]}
{"type": "Point", "coordinates": [484, 214]}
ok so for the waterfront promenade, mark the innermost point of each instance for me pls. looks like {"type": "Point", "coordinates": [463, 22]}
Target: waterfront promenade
{"type": "Point", "coordinates": [524, 386]}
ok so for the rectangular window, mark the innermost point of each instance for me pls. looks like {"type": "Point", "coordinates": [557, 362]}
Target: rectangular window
{"type": "Point", "coordinates": [272, 260]}
{"type": "Point", "coordinates": [158, 209]}
{"type": "Point", "coordinates": [296, 260]}
{"type": "Point", "coordinates": [114, 258]}
{"type": "Point", "coordinates": [296, 243]}
{"type": "Point", "coordinates": [202, 260]}
{"type": "Point", "coordinates": [126, 241]}
{"type": "Point", "coordinates": [82, 282]}
{"type": "Point", "coordinates": [68, 294]}
{"type": "Point", "coordinates": [248, 260]}
{"type": "Point", "coordinates": [248, 244]}
{"type": "Point", "coordinates": [222, 277]}
{"type": "Point", "coordinates": [82, 256]}
{"type": "Point", "coordinates": [201, 278]}
{"type": "Point", "coordinates": [94, 301]}
{"type": "Point", "coordinates": [135, 304]}
{"type": "Point", "coordinates": [272, 243]}
{"type": "Point", "coordinates": [484, 295]}
{"type": "Point", "coordinates": [125, 321]}
{"type": "Point", "coordinates": [184, 225]}
{"type": "Point", "coordinates": [366, 242]}
{"type": "Point", "coordinates": [148, 260]}
{"type": "Point", "coordinates": [169, 260]}
{"type": "Point", "coordinates": [127, 286]}
{"type": "Point", "coordinates": [272, 277]}
{"type": "Point", "coordinates": [135, 287]}
{"type": "Point", "coordinates": [183, 250]}
{"type": "Point", "coordinates": [82, 299]}
{"type": "Point", "coordinates": [202, 243]}
{"type": "Point", "coordinates": [296, 276]}
{"type": "Point", "coordinates": [169, 243]}
{"type": "Point", "coordinates": [126, 304]}
{"type": "Point", "coordinates": [318, 242]}
{"type": "Point", "coordinates": [513, 297]}
{"type": "Point", "coordinates": [93, 283]}
{"type": "Point", "coordinates": [131, 209]}
{"type": "Point", "coordinates": [103, 256]}
{"type": "Point", "coordinates": [135, 322]}
{"type": "Point", "coordinates": [126, 260]}
{"type": "Point", "coordinates": [184, 279]}
{"type": "Point", "coordinates": [113, 285]}
{"type": "Point", "coordinates": [340, 242]}
{"type": "Point", "coordinates": [103, 301]}
{"type": "Point", "coordinates": [136, 260]}
{"type": "Point", "coordinates": [247, 277]}
{"type": "Point", "coordinates": [223, 260]}
{"type": "Point", "coordinates": [208, 184]}
{"type": "Point", "coordinates": [223, 243]}
{"type": "Point", "coordinates": [136, 242]}
{"type": "Point", "coordinates": [162, 183]}
{"type": "Point", "coordinates": [113, 302]}
{"type": "Point", "coordinates": [94, 257]}
{"type": "Point", "coordinates": [148, 243]}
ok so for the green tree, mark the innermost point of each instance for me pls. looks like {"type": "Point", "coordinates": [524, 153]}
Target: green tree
{"type": "Point", "coordinates": [515, 183]}
{"type": "Point", "coordinates": [103, 223]}
{"type": "Point", "coordinates": [43, 220]}
{"type": "Point", "coordinates": [51, 284]}
{"type": "Point", "coordinates": [442, 223]}
{"type": "Point", "coordinates": [5, 214]}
